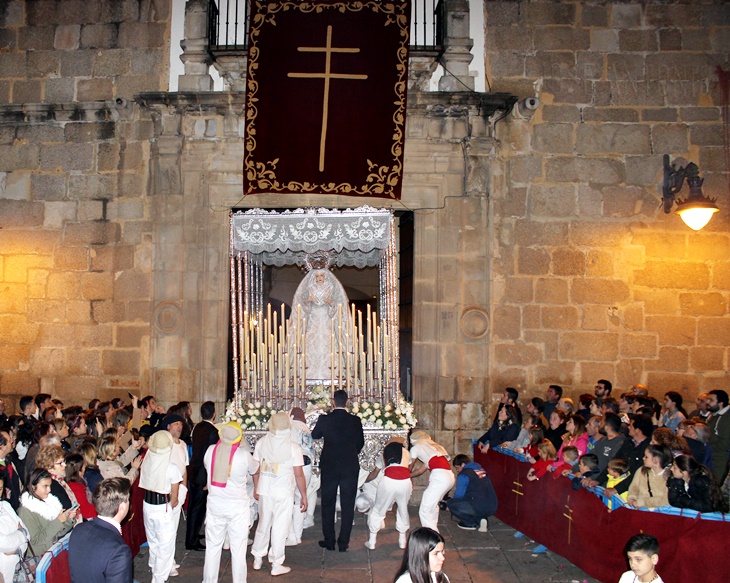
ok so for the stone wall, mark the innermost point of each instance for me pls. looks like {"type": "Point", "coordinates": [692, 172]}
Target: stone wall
{"type": "Point", "coordinates": [76, 237]}
{"type": "Point", "coordinates": [592, 279]}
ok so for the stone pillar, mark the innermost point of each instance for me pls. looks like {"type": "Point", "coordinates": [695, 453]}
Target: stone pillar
{"type": "Point", "coordinates": [457, 47]}
{"type": "Point", "coordinates": [195, 48]}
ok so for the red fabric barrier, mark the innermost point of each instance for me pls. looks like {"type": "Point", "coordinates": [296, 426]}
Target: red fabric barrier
{"type": "Point", "coordinates": [59, 571]}
{"type": "Point", "coordinates": [133, 528]}
{"type": "Point", "coordinates": [578, 526]}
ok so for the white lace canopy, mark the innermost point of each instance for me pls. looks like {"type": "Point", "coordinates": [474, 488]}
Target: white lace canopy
{"type": "Point", "coordinates": [356, 237]}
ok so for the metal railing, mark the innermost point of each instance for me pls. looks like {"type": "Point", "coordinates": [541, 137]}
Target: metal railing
{"type": "Point", "coordinates": [228, 25]}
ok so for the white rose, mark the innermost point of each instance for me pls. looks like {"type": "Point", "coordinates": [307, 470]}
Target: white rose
{"type": "Point", "coordinates": [257, 404]}
{"type": "Point", "coordinates": [402, 420]}
{"type": "Point", "coordinates": [388, 407]}
{"type": "Point", "coordinates": [379, 422]}
{"type": "Point", "coordinates": [376, 406]}
{"type": "Point", "coordinates": [371, 418]}
{"type": "Point", "coordinates": [377, 413]}
{"type": "Point", "coordinates": [269, 404]}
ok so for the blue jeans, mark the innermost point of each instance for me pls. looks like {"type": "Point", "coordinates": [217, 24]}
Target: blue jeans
{"type": "Point", "coordinates": [464, 511]}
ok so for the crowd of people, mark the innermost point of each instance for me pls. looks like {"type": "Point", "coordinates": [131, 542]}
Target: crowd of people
{"type": "Point", "coordinates": [649, 452]}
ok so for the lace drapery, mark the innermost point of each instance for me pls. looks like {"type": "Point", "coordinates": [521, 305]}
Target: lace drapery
{"type": "Point", "coordinates": [356, 237]}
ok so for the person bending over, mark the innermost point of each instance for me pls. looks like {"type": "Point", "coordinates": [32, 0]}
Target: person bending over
{"type": "Point", "coordinates": [474, 499]}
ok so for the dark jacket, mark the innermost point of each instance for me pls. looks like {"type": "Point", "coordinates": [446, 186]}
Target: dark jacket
{"type": "Point", "coordinates": [343, 440]}
{"type": "Point", "coordinates": [497, 435]}
{"type": "Point", "coordinates": [204, 435]}
{"type": "Point", "coordinates": [97, 553]}
{"type": "Point", "coordinates": [696, 497]}
{"type": "Point", "coordinates": [473, 484]}
{"type": "Point", "coordinates": [634, 456]}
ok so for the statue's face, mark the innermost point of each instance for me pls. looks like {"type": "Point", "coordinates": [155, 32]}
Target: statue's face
{"type": "Point", "coordinates": [319, 278]}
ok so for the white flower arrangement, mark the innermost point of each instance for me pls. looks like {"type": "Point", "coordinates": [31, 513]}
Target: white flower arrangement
{"type": "Point", "coordinates": [319, 397]}
{"type": "Point", "coordinates": [250, 415]}
{"type": "Point", "coordinates": [389, 416]}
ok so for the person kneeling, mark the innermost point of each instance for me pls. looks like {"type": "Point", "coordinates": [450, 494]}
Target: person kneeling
{"type": "Point", "coordinates": [474, 499]}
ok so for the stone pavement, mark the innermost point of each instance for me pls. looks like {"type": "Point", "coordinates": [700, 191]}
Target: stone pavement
{"type": "Point", "coordinates": [471, 557]}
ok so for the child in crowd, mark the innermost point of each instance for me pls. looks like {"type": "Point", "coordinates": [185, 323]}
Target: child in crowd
{"type": "Point", "coordinates": [523, 439]}
{"type": "Point", "coordinates": [546, 451]}
{"type": "Point", "coordinates": [618, 471]}
{"type": "Point", "coordinates": [537, 434]}
{"type": "Point", "coordinates": [570, 459]}
{"type": "Point", "coordinates": [587, 468]}
{"type": "Point", "coordinates": [642, 553]}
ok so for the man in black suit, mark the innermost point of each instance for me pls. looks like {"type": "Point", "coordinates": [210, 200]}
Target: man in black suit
{"type": "Point", "coordinates": [339, 467]}
{"type": "Point", "coordinates": [97, 552]}
{"type": "Point", "coordinates": [204, 435]}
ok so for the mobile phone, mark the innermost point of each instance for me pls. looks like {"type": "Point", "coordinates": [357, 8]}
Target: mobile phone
{"type": "Point", "coordinates": [74, 507]}
{"type": "Point", "coordinates": [131, 396]}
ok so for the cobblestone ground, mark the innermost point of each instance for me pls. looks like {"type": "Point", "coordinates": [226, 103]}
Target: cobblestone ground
{"type": "Point", "coordinates": [473, 557]}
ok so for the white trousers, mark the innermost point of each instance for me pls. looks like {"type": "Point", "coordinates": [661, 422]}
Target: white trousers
{"type": "Point", "coordinates": [159, 525]}
{"type": "Point", "coordinates": [297, 519]}
{"type": "Point", "coordinates": [231, 521]}
{"type": "Point", "coordinates": [275, 514]}
{"type": "Point", "coordinates": [366, 498]}
{"type": "Point", "coordinates": [389, 492]}
{"type": "Point", "coordinates": [312, 488]}
{"type": "Point", "coordinates": [439, 482]}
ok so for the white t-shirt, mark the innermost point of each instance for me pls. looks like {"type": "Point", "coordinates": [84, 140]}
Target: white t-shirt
{"type": "Point", "coordinates": [278, 476]}
{"type": "Point", "coordinates": [630, 577]}
{"type": "Point", "coordinates": [242, 466]}
{"type": "Point", "coordinates": [424, 451]}
{"type": "Point", "coordinates": [173, 476]}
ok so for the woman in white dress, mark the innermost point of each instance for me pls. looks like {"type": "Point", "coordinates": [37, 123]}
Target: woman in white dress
{"type": "Point", "coordinates": [323, 301]}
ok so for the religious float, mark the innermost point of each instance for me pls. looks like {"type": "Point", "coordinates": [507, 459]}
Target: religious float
{"type": "Point", "coordinates": [297, 356]}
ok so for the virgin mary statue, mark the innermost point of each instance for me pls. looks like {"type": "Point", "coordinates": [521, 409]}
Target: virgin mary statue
{"type": "Point", "coordinates": [322, 299]}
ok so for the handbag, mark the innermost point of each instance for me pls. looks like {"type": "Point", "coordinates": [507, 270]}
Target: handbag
{"type": "Point", "coordinates": [26, 567]}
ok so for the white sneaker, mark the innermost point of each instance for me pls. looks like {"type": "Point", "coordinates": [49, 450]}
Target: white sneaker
{"type": "Point", "coordinates": [308, 523]}
{"type": "Point", "coordinates": [175, 566]}
{"type": "Point", "coordinates": [402, 540]}
{"type": "Point", "coordinates": [174, 572]}
{"type": "Point", "coordinates": [370, 545]}
{"type": "Point", "coordinates": [280, 570]}
{"type": "Point", "coordinates": [292, 542]}
{"type": "Point", "coordinates": [257, 563]}
{"type": "Point", "coordinates": [483, 525]}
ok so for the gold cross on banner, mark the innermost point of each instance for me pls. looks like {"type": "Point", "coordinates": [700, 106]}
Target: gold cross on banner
{"type": "Point", "coordinates": [518, 491]}
{"type": "Point", "coordinates": [327, 75]}
{"type": "Point", "coordinates": [569, 516]}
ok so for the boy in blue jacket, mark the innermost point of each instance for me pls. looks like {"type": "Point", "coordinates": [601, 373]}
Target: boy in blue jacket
{"type": "Point", "coordinates": [474, 499]}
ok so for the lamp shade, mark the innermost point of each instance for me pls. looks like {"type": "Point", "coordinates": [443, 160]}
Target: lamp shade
{"type": "Point", "coordinates": [696, 214]}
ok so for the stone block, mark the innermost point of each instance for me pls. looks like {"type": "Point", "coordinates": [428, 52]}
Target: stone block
{"type": "Point", "coordinates": [91, 210]}
{"type": "Point", "coordinates": [555, 372]}
{"type": "Point", "coordinates": [120, 362]}
{"type": "Point", "coordinates": [638, 345]}
{"type": "Point", "coordinates": [27, 242]}
{"type": "Point", "coordinates": [99, 36]}
{"type": "Point", "coordinates": [77, 63]}
{"type": "Point", "coordinates": [559, 317]}
{"type": "Point", "coordinates": [501, 39]}
{"type": "Point", "coordinates": [628, 201]}
{"type": "Point", "coordinates": [625, 15]}
{"type": "Point", "coordinates": [19, 213]}
{"type": "Point", "coordinates": [593, 170]}
{"type": "Point", "coordinates": [510, 377]}
{"type": "Point", "coordinates": [637, 41]}
{"type": "Point", "coordinates": [36, 38]}
{"type": "Point", "coordinates": [530, 317]}
{"type": "Point", "coordinates": [37, 279]}
{"type": "Point", "coordinates": [60, 90]}
{"type": "Point", "coordinates": [657, 301]}
{"type": "Point", "coordinates": [703, 304]}
{"type": "Point", "coordinates": [15, 329]}
{"type": "Point", "coordinates": [27, 91]}
{"type": "Point", "coordinates": [12, 298]}
{"type": "Point", "coordinates": [71, 258]}
{"type": "Point", "coordinates": [57, 213]}
{"type": "Point", "coordinates": [14, 186]}
{"type": "Point", "coordinates": [661, 245]}
{"type": "Point", "coordinates": [629, 372]}
{"type": "Point", "coordinates": [569, 90]}
{"type": "Point", "coordinates": [532, 233]}
{"type": "Point", "coordinates": [93, 336]}
{"type": "Point", "coordinates": [139, 311]}
{"type": "Point", "coordinates": [590, 202]}
{"type": "Point", "coordinates": [135, 35]}
{"type": "Point", "coordinates": [721, 275]}
{"type": "Point", "coordinates": [518, 290]}
{"type": "Point", "coordinates": [84, 362]}
{"type": "Point", "coordinates": [548, 341]}
{"type": "Point", "coordinates": [551, 38]}
{"type": "Point", "coordinates": [713, 332]}
{"type": "Point", "coordinates": [633, 316]}
{"type": "Point", "coordinates": [12, 65]}
{"type": "Point", "coordinates": [67, 157]}
{"type": "Point", "coordinates": [125, 209]}
{"type": "Point", "coordinates": [611, 114]}
{"type": "Point", "coordinates": [13, 357]}
{"type": "Point", "coordinates": [670, 40]}
{"type": "Point", "coordinates": [555, 201]}
{"type": "Point", "coordinates": [67, 37]}
{"type": "Point", "coordinates": [551, 290]}
{"type": "Point", "coordinates": [97, 89]}
{"type": "Point", "coordinates": [131, 285]}
{"type": "Point", "coordinates": [96, 233]}
{"type": "Point", "coordinates": [551, 64]}
{"type": "Point", "coordinates": [673, 330]}
{"type": "Point", "coordinates": [594, 317]}
{"type": "Point", "coordinates": [601, 346]}
{"type": "Point", "coordinates": [604, 41]}
{"type": "Point", "coordinates": [131, 336]}
{"type": "Point", "coordinates": [78, 312]}
{"type": "Point", "coordinates": [517, 354]}
{"type": "Point", "coordinates": [590, 372]}
{"type": "Point", "coordinates": [670, 138]}
{"type": "Point", "coordinates": [89, 132]}
{"type": "Point", "coordinates": [47, 361]}
{"type": "Point", "coordinates": [103, 311]}
{"type": "Point", "coordinates": [662, 114]}
{"type": "Point", "coordinates": [638, 93]}
{"type": "Point", "coordinates": [19, 157]}
{"type": "Point", "coordinates": [568, 261]}
{"type": "Point", "coordinates": [599, 291]}
{"type": "Point", "coordinates": [79, 388]}
{"type": "Point", "coordinates": [671, 358]}
{"type": "Point", "coordinates": [63, 285]}
{"type": "Point", "coordinates": [705, 135]}
{"type": "Point", "coordinates": [707, 358]}
{"type": "Point", "coordinates": [97, 286]}
{"type": "Point", "coordinates": [674, 275]}
{"type": "Point", "coordinates": [689, 114]}
{"type": "Point", "coordinates": [47, 186]}
{"type": "Point", "coordinates": [595, 234]}
{"type": "Point", "coordinates": [560, 113]}
{"type": "Point", "coordinates": [506, 64]}
{"type": "Point", "coordinates": [680, 382]}
{"type": "Point", "coordinates": [506, 322]}
{"type": "Point", "coordinates": [514, 204]}
{"type": "Point", "coordinates": [532, 261]}
{"type": "Point", "coordinates": [19, 383]}
{"type": "Point", "coordinates": [611, 138]}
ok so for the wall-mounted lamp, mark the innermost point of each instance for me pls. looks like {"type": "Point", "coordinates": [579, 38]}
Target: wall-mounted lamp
{"type": "Point", "coordinates": [696, 210]}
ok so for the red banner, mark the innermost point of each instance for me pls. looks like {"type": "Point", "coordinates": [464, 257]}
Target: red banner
{"type": "Point", "coordinates": [326, 98]}
{"type": "Point", "coordinates": [578, 526]}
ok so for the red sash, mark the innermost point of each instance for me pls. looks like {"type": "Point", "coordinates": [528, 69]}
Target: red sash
{"type": "Point", "coordinates": [397, 472]}
{"type": "Point", "coordinates": [438, 462]}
